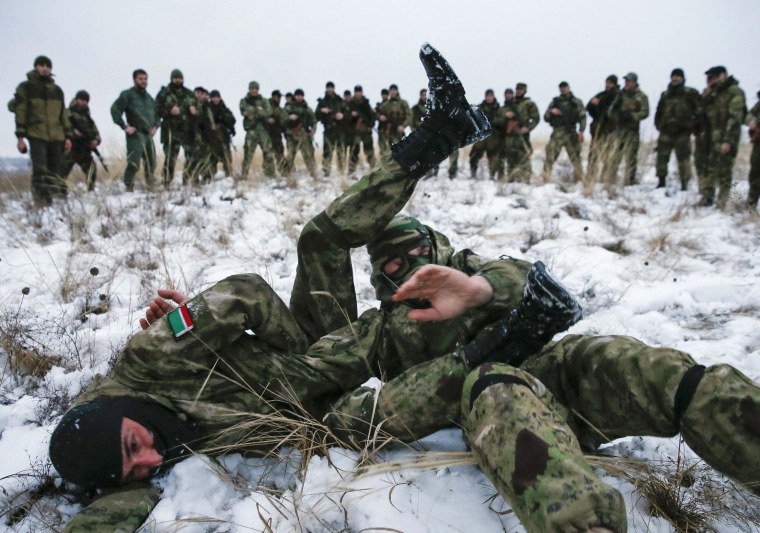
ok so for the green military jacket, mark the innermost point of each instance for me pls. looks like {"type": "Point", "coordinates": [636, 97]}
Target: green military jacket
{"type": "Point", "coordinates": [305, 121]}
{"type": "Point", "coordinates": [365, 116]}
{"type": "Point", "coordinates": [677, 110]}
{"type": "Point", "coordinates": [223, 119]}
{"type": "Point", "coordinates": [573, 113]}
{"type": "Point", "coordinates": [418, 111]}
{"type": "Point", "coordinates": [275, 130]}
{"type": "Point", "coordinates": [397, 111]}
{"type": "Point", "coordinates": [494, 112]}
{"type": "Point", "coordinates": [603, 122]}
{"type": "Point", "coordinates": [40, 110]}
{"type": "Point", "coordinates": [82, 122]}
{"type": "Point", "coordinates": [335, 104]}
{"type": "Point", "coordinates": [753, 114]}
{"type": "Point", "coordinates": [528, 111]}
{"type": "Point", "coordinates": [725, 109]}
{"type": "Point", "coordinates": [629, 109]}
{"type": "Point", "coordinates": [175, 125]}
{"type": "Point", "coordinates": [255, 110]}
{"type": "Point", "coordinates": [139, 107]}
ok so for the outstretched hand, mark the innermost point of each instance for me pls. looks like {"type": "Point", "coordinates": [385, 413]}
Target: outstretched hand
{"type": "Point", "coordinates": [160, 307]}
{"type": "Point", "coordinates": [449, 291]}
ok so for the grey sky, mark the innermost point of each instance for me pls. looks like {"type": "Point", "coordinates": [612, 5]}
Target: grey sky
{"type": "Point", "coordinates": [284, 45]}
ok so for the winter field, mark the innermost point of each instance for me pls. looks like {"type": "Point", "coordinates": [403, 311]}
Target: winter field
{"type": "Point", "coordinates": [643, 262]}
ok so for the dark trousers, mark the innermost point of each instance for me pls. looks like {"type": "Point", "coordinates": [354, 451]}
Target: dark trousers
{"type": "Point", "coordinates": [47, 167]}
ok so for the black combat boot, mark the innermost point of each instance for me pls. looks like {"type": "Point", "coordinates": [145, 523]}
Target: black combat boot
{"type": "Point", "coordinates": [661, 182]}
{"type": "Point", "coordinates": [546, 309]}
{"type": "Point", "coordinates": [450, 122]}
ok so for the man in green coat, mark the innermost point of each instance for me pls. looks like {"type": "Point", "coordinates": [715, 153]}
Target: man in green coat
{"type": "Point", "coordinates": [491, 146]}
{"type": "Point", "coordinates": [141, 123]}
{"type": "Point", "coordinates": [603, 125]}
{"type": "Point", "coordinates": [393, 116]}
{"type": "Point", "coordinates": [275, 129]}
{"type": "Point", "coordinates": [300, 125]}
{"type": "Point", "coordinates": [176, 107]}
{"type": "Point", "coordinates": [330, 112]}
{"type": "Point", "coordinates": [567, 117]}
{"type": "Point", "coordinates": [223, 131]}
{"type": "Point", "coordinates": [361, 118]}
{"type": "Point", "coordinates": [41, 117]}
{"type": "Point", "coordinates": [257, 113]}
{"type": "Point", "coordinates": [86, 138]}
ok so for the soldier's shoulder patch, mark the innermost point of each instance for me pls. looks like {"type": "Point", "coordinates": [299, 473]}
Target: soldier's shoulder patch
{"type": "Point", "coordinates": [180, 321]}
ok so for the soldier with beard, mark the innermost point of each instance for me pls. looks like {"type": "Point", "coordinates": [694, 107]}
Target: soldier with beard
{"type": "Point", "coordinates": [300, 124]}
{"type": "Point", "coordinates": [393, 116]}
{"type": "Point", "coordinates": [362, 119]}
{"type": "Point", "coordinates": [223, 131]}
{"type": "Point", "coordinates": [257, 114]}
{"type": "Point", "coordinates": [603, 124]}
{"type": "Point", "coordinates": [491, 146]}
{"type": "Point", "coordinates": [86, 138]}
{"type": "Point", "coordinates": [567, 117]}
{"type": "Point", "coordinates": [175, 105]}
{"type": "Point", "coordinates": [330, 111]}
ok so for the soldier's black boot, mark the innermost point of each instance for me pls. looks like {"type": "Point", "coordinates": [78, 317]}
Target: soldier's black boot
{"type": "Point", "coordinates": [450, 122]}
{"type": "Point", "coordinates": [661, 183]}
{"type": "Point", "coordinates": [546, 309]}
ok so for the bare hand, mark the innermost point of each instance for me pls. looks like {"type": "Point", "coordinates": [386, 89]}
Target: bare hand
{"type": "Point", "coordinates": [338, 116]}
{"type": "Point", "coordinates": [193, 111]}
{"type": "Point", "coordinates": [554, 111]}
{"type": "Point", "coordinates": [382, 118]}
{"type": "Point", "coordinates": [94, 144]}
{"type": "Point", "coordinates": [160, 307]}
{"type": "Point", "coordinates": [580, 137]}
{"type": "Point", "coordinates": [449, 291]}
{"type": "Point", "coordinates": [21, 146]}
{"type": "Point", "coordinates": [326, 110]}
{"type": "Point", "coordinates": [67, 145]}
{"type": "Point", "coordinates": [354, 114]}
{"type": "Point", "coordinates": [77, 133]}
{"type": "Point", "coordinates": [174, 110]}
{"type": "Point", "coordinates": [524, 130]}
{"type": "Point", "coordinates": [400, 129]}
{"type": "Point", "coordinates": [130, 130]}
{"type": "Point", "coordinates": [509, 114]}
{"type": "Point", "coordinates": [595, 101]}
{"type": "Point", "coordinates": [152, 131]}
{"type": "Point", "coordinates": [270, 120]}
{"type": "Point", "coordinates": [293, 116]}
{"type": "Point", "coordinates": [725, 148]}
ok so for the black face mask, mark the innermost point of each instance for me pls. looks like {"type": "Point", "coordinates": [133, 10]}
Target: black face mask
{"type": "Point", "coordinates": [409, 264]}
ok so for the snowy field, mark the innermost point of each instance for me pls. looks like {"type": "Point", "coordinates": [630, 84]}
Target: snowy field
{"type": "Point", "coordinates": [76, 277]}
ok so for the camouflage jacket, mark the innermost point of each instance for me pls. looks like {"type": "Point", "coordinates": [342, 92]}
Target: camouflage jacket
{"type": "Point", "coordinates": [602, 123]}
{"type": "Point", "coordinates": [511, 125]}
{"type": "Point", "coordinates": [223, 118]}
{"type": "Point", "coordinates": [418, 111]}
{"type": "Point", "coordinates": [677, 110]}
{"type": "Point", "coordinates": [204, 131]}
{"type": "Point", "coordinates": [365, 115]}
{"type": "Point", "coordinates": [334, 104]}
{"type": "Point", "coordinates": [397, 111]}
{"type": "Point", "coordinates": [171, 125]}
{"type": "Point", "coordinates": [573, 113]}
{"type": "Point", "coordinates": [255, 111]}
{"type": "Point", "coordinates": [138, 106]}
{"type": "Point", "coordinates": [528, 111]}
{"type": "Point", "coordinates": [40, 110]}
{"type": "Point", "coordinates": [305, 121]}
{"type": "Point", "coordinates": [82, 122]}
{"type": "Point", "coordinates": [277, 114]}
{"type": "Point", "coordinates": [495, 114]}
{"type": "Point", "coordinates": [629, 108]}
{"type": "Point", "coordinates": [725, 109]}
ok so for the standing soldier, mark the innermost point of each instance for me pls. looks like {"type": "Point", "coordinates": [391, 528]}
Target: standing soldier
{"type": "Point", "coordinates": [506, 127]}
{"type": "Point", "coordinates": [725, 110]}
{"type": "Point", "coordinates": [224, 130]}
{"type": "Point", "coordinates": [41, 117]}
{"type": "Point", "coordinates": [362, 119]}
{"type": "Point", "coordinates": [702, 142]}
{"type": "Point", "coordinates": [330, 114]}
{"type": "Point", "coordinates": [346, 133]}
{"type": "Point", "coordinates": [300, 125]}
{"type": "Point", "coordinates": [676, 119]}
{"type": "Point", "coordinates": [275, 129]}
{"type": "Point", "coordinates": [418, 110]}
{"type": "Point", "coordinates": [602, 124]}
{"type": "Point", "coordinates": [140, 126]}
{"type": "Point", "coordinates": [382, 140]}
{"type": "Point", "coordinates": [753, 121]}
{"type": "Point", "coordinates": [175, 105]}
{"type": "Point", "coordinates": [86, 138]}
{"type": "Point", "coordinates": [394, 116]}
{"type": "Point", "coordinates": [256, 114]}
{"type": "Point", "coordinates": [490, 146]}
{"type": "Point", "coordinates": [563, 114]}
{"type": "Point", "coordinates": [201, 168]}
{"type": "Point", "coordinates": [528, 119]}
{"type": "Point", "coordinates": [630, 107]}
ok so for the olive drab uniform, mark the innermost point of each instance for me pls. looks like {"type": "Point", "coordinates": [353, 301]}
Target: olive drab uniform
{"type": "Point", "coordinates": [84, 132]}
{"type": "Point", "coordinates": [224, 129]}
{"type": "Point", "coordinates": [490, 146]}
{"type": "Point", "coordinates": [173, 103]}
{"type": "Point", "coordinates": [204, 136]}
{"type": "Point", "coordinates": [299, 132]}
{"type": "Point", "coordinates": [517, 148]}
{"type": "Point", "coordinates": [676, 119]}
{"type": "Point", "coordinates": [566, 128]}
{"type": "Point", "coordinates": [725, 109]}
{"type": "Point", "coordinates": [41, 117]}
{"type": "Point", "coordinates": [397, 113]}
{"type": "Point", "coordinates": [332, 140]}
{"type": "Point", "coordinates": [275, 134]}
{"type": "Point", "coordinates": [362, 120]}
{"type": "Point", "coordinates": [603, 125]}
{"type": "Point", "coordinates": [628, 109]}
{"type": "Point", "coordinates": [256, 110]}
{"type": "Point", "coordinates": [139, 108]}
{"type": "Point", "coordinates": [382, 142]}
{"type": "Point", "coordinates": [754, 163]}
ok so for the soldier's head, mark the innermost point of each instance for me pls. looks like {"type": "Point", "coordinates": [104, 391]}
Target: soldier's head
{"type": "Point", "coordinates": [520, 90]}
{"type": "Point", "coordinates": [404, 246]}
{"type": "Point", "coordinates": [276, 97]}
{"type": "Point", "coordinates": [489, 96]}
{"type": "Point", "coordinates": [393, 90]}
{"type": "Point", "coordinates": [611, 82]}
{"type": "Point", "coordinates": [716, 75]}
{"type": "Point", "coordinates": [330, 88]}
{"type": "Point", "coordinates": [110, 441]}
{"type": "Point", "coordinates": [346, 95]}
{"type": "Point", "coordinates": [384, 94]}
{"type": "Point", "coordinates": [216, 97]}
{"type": "Point", "coordinates": [43, 66]}
{"type": "Point", "coordinates": [631, 80]}
{"type": "Point", "coordinates": [177, 78]}
{"type": "Point", "coordinates": [509, 94]}
{"type": "Point", "coordinates": [677, 77]}
{"type": "Point", "coordinates": [253, 88]}
{"type": "Point", "coordinates": [201, 94]}
{"type": "Point", "coordinates": [82, 98]}
{"type": "Point", "coordinates": [423, 96]}
{"type": "Point", "coordinates": [140, 78]}
{"type": "Point", "coordinates": [288, 98]}
{"type": "Point", "coordinates": [298, 95]}
{"type": "Point", "coordinates": [564, 88]}
{"type": "Point", "coordinates": [358, 92]}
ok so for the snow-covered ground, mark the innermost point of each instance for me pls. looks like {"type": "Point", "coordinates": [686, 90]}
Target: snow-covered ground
{"type": "Point", "coordinates": [645, 263]}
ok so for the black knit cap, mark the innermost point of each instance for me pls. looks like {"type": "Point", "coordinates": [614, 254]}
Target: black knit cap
{"type": "Point", "coordinates": [358, 88]}
{"type": "Point", "coordinates": [43, 60]}
{"type": "Point", "coordinates": [716, 71]}
{"type": "Point", "coordinates": [329, 84]}
{"type": "Point", "coordinates": [276, 92]}
{"type": "Point", "coordinates": [678, 72]}
{"type": "Point", "coordinates": [393, 86]}
{"type": "Point", "coordinates": [298, 92]}
{"type": "Point", "coordinates": [612, 78]}
{"type": "Point", "coordinates": [82, 95]}
{"type": "Point", "coordinates": [215, 93]}
{"type": "Point", "coordinates": [384, 91]}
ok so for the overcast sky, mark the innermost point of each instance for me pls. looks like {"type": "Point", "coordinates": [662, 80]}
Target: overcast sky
{"type": "Point", "coordinates": [284, 45]}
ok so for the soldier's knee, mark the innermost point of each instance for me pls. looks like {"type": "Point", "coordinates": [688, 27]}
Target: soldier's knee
{"type": "Point", "coordinates": [491, 374]}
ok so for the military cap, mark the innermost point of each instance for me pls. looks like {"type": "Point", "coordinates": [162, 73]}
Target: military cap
{"type": "Point", "coordinates": [329, 84]}
{"type": "Point", "coordinates": [489, 91]}
{"type": "Point", "coordinates": [276, 92]}
{"type": "Point", "coordinates": [176, 73]}
{"type": "Point", "coordinates": [346, 93]}
{"type": "Point", "coordinates": [393, 86]}
{"type": "Point", "coordinates": [677, 72]}
{"type": "Point", "coordinates": [43, 60]}
{"type": "Point", "coordinates": [563, 84]}
{"type": "Point", "coordinates": [508, 90]}
{"type": "Point", "coordinates": [82, 95]}
{"type": "Point", "coordinates": [358, 88]}
{"type": "Point", "coordinates": [298, 92]}
{"type": "Point", "coordinates": [716, 71]}
{"type": "Point", "coordinates": [612, 78]}
{"type": "Point", "coordinates": [384, 91]}
{"type": "Point", "coordinates": [521, 85]}
{"type": "Point", "coordinates": [631, 76]}
{"type": "Point", "coordinates": [215, 93]}
{"type": "Point", "coordinates": [200, 89]}
{"type": "Point", "coordinates": [253, 85]}
{"type": "Point", "coordinates": [288, 95]}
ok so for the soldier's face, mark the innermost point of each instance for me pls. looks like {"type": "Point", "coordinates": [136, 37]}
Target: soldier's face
{"type": "Point", "coordinates": [43, 70]}
{"type": "Point", "coordinates": [519, 93]}
{"type": "Point", "coordinates": [199, 95]}
{"type": "Point", "coordinates": [178, 81]}
{"type": "Point", "coordinates": [564, 90]}
{"type": "Point", "coordinates": [299, 98]}
{"type": "Point", "coordinates": [141, 80]}
{"type": "Point", "coordinates": [676, 80]}
{"type": "Point", "coordinates": [489, 98]}
{"type": "Point", "coordinates": [82, 103]}
{"type": "Point", "coordinates": [358, 95]}
{"type": "Point", "coordinates": [139, 458]}
{"type": "Point", "coordinates": [276, 100]}
{"type": "Point", "coordinates": [423, 96]}
{"type": "Point", "coordinates": [216, 99]}
{"type": "Point", "coordinates": [630, 84]}
{"type": "Point", "coordinates": [394, 93]}
{"type": "Point", "coordinates": [508, 95]}
{"type": "Point", "coordinates": [330, 90]}
{"type": "Point", "coordinates": [609, 85]}
{"type": "Point", "coordinates": [253, 91]}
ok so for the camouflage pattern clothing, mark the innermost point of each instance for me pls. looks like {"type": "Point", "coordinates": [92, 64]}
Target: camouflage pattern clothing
{"type": "Point", "coordinates": [140, 110]}
{"type": "Point", "coordinates": [173, 103]}
{"type": "Point", "coordinates": [603, 125]}
{"type": "Point", "coordinates": [201, 157]}
{"type": "Point", "coordinates": [725, 109]}
{"type": "Point", "coordinates": [490, 146]}
{"type": "Point", "coordinates": [516, 147]}
{"type": "Point", "coordinates": [753, 121]}
{"type": "Point", "coordinates": [332, 122]}
{"type": "Point", "coordinates": [256, 111]}
{"type": "Point", "coordinates": [382, 141]}
{"type": "Point", "coordinates": [702, 143]}
{"type": "Point", "coordinates": [630, 107]}
{"type": "Point", "coordinates": [566, 128]}
{"type": "Point", "coordinates": [299, 132]}
{"type": "Point", "coordinates": [362, 119]}
{"type": "Point", "coordinates": [397, 113]}
{"type": "Point", "coordinates": [275, 131]}
{"type": "Point", "coordinates": [224, 129]}
{"type": "Point", "coordinates": [676, 120]}
{"type": "Point", "coordinates": [84, 132]}
{"type": "Point", "coordinates": [418, 111]}
{"type": "Point", "coordinates": [41, 117]}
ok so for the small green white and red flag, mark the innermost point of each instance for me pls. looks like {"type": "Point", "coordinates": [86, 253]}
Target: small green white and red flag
{"type": "Point", "coordinates": [180, 321]}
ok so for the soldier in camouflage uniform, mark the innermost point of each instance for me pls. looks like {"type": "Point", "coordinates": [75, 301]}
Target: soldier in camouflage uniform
{"type": "Point", "coordinates": [362, 119]}
{"type": "Point", "coordinates": [564, 113]}
{"type": "Point", "coordinates": [382, 142]}
{"type": "Point", "coordinates": [630, 107]}
{"type": "Point", "coordinates": [725, 109]}
{"type": "Point", "coordinates": [299, 124]}
{"type": "Point", "coordinates": [753, 121]}
{"type": "Point", "coordinates": [201, 157]}
{"type": "Point", "coordinates": [330, 112]}
{"type": "Point", "coordinates": [275, 129]}
{"type": "Point", "coordinates": [223, 131]}
{"type": "Point", "coordinates": [175, 105]}
{"type": "Point", "coordinates": [603, 125]}
{"type": "Point", "coordinates": [702, 142]}
{"type": "Point", "coordinates": [520, 117]}
{"type": "Point", "coordinates": [393, 117]}
{"type": "Point", "coordinates": [257, 114]}
{"type": "Point", "coordinates": [346, 133]}
{"type": "Point", "coordinates": [676, 119]}
{"type": "Point", "coordinates": [86, 138]}
{"type": "Point", "coordinates": [491, 146]}
{"type": "Point", "coordinates": [419, 109]}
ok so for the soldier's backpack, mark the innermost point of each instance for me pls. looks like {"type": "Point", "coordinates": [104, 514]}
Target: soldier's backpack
{"type": "Point", "coordinates": [12, 104]}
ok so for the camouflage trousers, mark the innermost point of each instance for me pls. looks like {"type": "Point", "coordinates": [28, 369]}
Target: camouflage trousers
{"type": "Point", "coordinates": [361, 140]}
{"type": "Point", "coordinates": [221, 153]}
{"type": "Point", "coordinates": [171, 153]}
{"type": "Point", "coordinates": [278, 147]}
{"type": "Point", "coordinates": [754, 175]}
{"type": "Point", "coordinates": [254, 138]}
{"type": "Point", "coordinates": [300, 142]}
{"type": "Point", "coordinates": [81, 156]}
{"type": "Point", "coordinates": [567, 139]}
{"type": "Point", "coordinates": [623, 146]}
{"type": "Point", "coordinates": [517, 151]}
{"type": "Point", "coordinates": [719, 174]}
{"type": "Point", "coordinates": [681, 144]}
{"type": "Point", "coordinates": [333, 142]}
{"type": "Point", "coordinates": [491, 148]}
